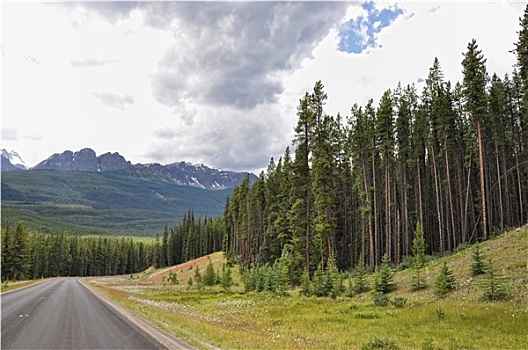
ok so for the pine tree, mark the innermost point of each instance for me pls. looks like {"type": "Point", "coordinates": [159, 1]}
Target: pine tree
{"type": "Point", "coordinates": [383, 282]}
{"type": "Point", "coordinates": [306, 288]}
{"type": "Point", "coordinates": [209, 277]}
{"type": "Point", "coordinates": [19, 252]}
{"type": "Point", "coordinates": [478, 266]}
{"type": "Point", "coordinates": [6, 262]}
{"type": "Point", "coordinates": [164, 250]}
{"type": "Point", "coordinates": [227, 279]}
{"type": "Point", "coordinates": [445, 281]}
{"type": "Point", "coordinates": [521, 51]}
{"type": "Point", "coordinates": [156, 254]}
{"type": "Point", "coordinates": [418, 250]}
{"type": "Point", "coordinates": [173, 278]}
{"type": "Point", "coordinates": [359, 278]}
{"type": "Point", "coordinates": [301, 223]}
{"type": "Point", "coordinates": [197, 278]}
{"type": "Point", "coordinates": [475, 79]}
{"type": "Point", "coordinates": [493, 283]}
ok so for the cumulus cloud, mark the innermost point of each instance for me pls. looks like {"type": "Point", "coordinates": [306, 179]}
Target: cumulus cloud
{"type": "Point", "coordinates": [224, 137]}
{"type": "Point", "coordinates": [232, 54]}
{"type": "Point", "coordinates": [222, 75]}
{"type": "Point", "coordinates": [90, 62]}
{"type": "Point", "coordinates": [114, 100]}
{"type": "Point", "coordinates": [229, 54]}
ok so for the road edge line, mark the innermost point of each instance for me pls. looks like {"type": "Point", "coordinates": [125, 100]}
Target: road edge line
{"type": "Point", "coordinates": [163, 337]}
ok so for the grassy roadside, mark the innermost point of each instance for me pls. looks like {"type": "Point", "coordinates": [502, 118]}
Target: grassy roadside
{"type": "Point", "coordinates": [462, 320]}
{"type": "Point", "coordinates": [11, 286]}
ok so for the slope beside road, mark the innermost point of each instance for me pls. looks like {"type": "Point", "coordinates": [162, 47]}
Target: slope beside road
{"type": "Point", "coordinates": [64, 314]}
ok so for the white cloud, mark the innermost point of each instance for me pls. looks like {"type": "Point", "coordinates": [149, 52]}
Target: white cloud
{"type": "Point", "coordinates": [216, 83]}
{"type": "Point", "coordinates": [114, 100]}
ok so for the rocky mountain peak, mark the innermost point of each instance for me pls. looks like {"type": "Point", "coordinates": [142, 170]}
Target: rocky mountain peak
{"type": "Point", "coordinates": [84, 160]}
{"type": "Point", "coordinates": [179, 173]}
{"type": "Point", "coordinates": [12, 161]}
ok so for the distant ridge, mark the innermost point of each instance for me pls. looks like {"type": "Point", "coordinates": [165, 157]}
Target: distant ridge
{"type": "Point", "coordinates": [83, 160]}
{"type": "Point", "coordinates": [179, 173]}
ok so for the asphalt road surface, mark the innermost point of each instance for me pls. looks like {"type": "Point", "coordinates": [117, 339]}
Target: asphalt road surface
{"type": "Point", "coordinates": [64, 314]}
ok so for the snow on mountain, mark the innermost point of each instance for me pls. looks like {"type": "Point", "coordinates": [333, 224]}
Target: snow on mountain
{"type": "Point", "coordinates": [180, 173]}
{"type": "Point", "coordinates": [13, 159]}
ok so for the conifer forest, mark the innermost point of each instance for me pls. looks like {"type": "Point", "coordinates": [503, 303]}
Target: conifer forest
{"type": "Point", "coordinates": [451, 160]}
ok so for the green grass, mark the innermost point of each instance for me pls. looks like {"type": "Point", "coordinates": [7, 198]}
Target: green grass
{"type": "Point", "coordinates": [10, 286]}
{"type": "Point", "coordinates": [101, 203]}
{"type": "Point", "coordinates": [461, 320]}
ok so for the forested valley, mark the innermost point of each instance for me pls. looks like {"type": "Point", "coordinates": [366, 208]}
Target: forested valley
{"type": "Point", "coordinates": [451, 160]}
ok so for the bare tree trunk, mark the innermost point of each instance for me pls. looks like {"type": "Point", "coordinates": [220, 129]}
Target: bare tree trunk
{"type": "Point", "coordinates": [450, 196]}
{"type": "Point", "coordinates": [388, 226]}
{"type": "Point", "coordinates": [521, 209]}
{"type": "Point", "coordinates": [438, 205]}
{"type": "Point", "coordinates": [405, 216]}
{"type": "Point", "coordinates": [499, 183]}
{"type": "Point", "coordinates": [376, 238]}
{"type": "Point", "coordinates": [420, 194]}
{"type": "Point", "coordinates": [482, 183]}
{"type": "Point", "coordinates": [370, 231]}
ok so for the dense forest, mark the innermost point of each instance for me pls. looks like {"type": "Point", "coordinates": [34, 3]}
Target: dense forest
{"type": "Point", "coordinates": [27, 255]}
{"type": "Point", "coordinates": [35, 255]}
{"type": "Point", "coordinates": [190, 239]}
{"type": "Point", "coordinates": [453, 158]}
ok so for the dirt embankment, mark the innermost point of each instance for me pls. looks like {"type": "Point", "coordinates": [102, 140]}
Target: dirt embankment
{"type": "Point", "coordinates": [216, 258]}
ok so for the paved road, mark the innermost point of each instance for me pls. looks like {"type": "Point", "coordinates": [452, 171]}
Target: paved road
{"type": "Point", "coordinates": [64, 314]}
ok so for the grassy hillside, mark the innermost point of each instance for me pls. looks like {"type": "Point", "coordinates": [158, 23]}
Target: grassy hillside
{"type": "Point", "coordinates": [232, 319]}
{"type": "Point", "coordinates": [99, 203]}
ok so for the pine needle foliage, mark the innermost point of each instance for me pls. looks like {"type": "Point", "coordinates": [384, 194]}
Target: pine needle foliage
{"type": "Point", "coordinates": [493, 283]}
{"type": "Point", "coordinates": [359, 278]}
{"type": "Point", "coordinates": [209, 277]}
{"type": "Point", "coordinates": [445, 281]}
{"type": "Point", "coordinates": [383, 282]}
{"type": "Point", "coordinates": [478, 266]}
{"type": "Point", "coordinates": [418, 250]}
{"type": "Point", "coordinates": [226, 280]}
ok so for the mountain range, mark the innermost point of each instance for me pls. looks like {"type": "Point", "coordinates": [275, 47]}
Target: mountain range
{"type": "Point", "coordinates": [82, 193]}
{"type": "Point", "coordinates": [180, 173]}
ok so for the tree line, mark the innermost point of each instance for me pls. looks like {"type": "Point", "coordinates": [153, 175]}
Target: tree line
{"type": "Point", "coordinates": [28, 255]}
{"type": "Point", "coordinates": [188, 240]}
{"type": "Point", "coordinates": [35, 255]}
{"type": "Point", "coordinates": [452, 159]}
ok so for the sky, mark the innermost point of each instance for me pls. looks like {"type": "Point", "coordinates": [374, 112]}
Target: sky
{"type": "Point", "coordinates": [219, 83]}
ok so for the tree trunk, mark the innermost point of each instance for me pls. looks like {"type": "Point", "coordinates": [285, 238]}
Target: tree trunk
{"type": "Point", "coordinates": [482, 183]}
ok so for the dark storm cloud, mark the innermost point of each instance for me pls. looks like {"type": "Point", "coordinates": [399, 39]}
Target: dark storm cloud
{"type": "Point", "coordinates": [114, 100]}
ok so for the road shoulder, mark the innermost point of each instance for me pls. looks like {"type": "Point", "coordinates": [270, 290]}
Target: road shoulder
{"type": "Point", "coordinates": [166, 339]}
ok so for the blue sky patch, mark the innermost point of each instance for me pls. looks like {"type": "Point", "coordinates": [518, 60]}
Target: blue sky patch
{"type": "Point", "coordinates": [359, 34]}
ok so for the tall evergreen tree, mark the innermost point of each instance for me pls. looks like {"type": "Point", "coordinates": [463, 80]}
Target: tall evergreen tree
{"type": "Point", "coordinates": [475, 80]}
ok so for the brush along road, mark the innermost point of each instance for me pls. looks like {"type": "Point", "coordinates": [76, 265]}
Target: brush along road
{"type": "Point", "coordinates": [64, 314]}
